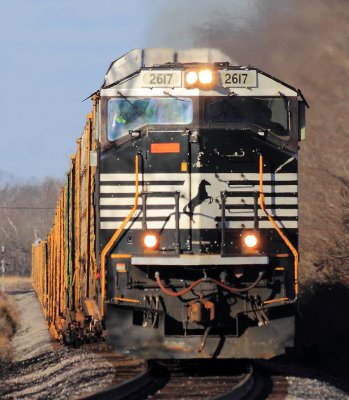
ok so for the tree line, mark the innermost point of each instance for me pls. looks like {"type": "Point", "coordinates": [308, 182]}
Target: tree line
{"type": "Point", "coordinates": [26, 215]}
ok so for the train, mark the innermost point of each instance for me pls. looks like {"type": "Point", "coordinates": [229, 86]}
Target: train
{"type": "Point", "coordinates": [176, 232]}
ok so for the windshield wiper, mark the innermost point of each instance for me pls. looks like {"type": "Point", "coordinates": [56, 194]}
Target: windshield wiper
{"type": "Point", "coordinates": [140, 112]}
{"type": "Point", "coordinates": [175, 97]}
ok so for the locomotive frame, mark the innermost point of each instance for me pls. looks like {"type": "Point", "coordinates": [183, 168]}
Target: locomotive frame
{"type": "Point", "coordinates": [177, 229]}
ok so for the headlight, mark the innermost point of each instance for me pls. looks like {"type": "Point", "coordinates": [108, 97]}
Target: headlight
{"type": "Point", "coordinates": [191, 77]}
{"type": "Point", "coordinates": [205, 76]}
{"type": "Point", "coordinates": [250, 240]}
{"type": "Point", "coordinates": [150, 240]}
{"type": "Point", "coordinates": [201, 78]}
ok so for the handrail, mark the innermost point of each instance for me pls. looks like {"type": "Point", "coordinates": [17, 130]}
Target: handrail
{"type": "Point", "coordinates": [223, 244]}
{"type": "Point", "coordinates": [279, 231]}
{"type": "Point", "coordinates": [116, 235]}
{"type": "Point", "coordinates": [176, 195]}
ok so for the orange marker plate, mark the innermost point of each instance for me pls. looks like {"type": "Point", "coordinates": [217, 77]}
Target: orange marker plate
{"type": "Point", "coordinates": [165, 148]}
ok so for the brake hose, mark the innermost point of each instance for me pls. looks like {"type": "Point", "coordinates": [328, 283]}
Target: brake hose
{"type": "Point", "coordinates": [219, 283]}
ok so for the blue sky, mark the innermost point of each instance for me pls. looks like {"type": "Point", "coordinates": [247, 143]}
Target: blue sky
{"type": "Point", "coordinates": [53, 54]}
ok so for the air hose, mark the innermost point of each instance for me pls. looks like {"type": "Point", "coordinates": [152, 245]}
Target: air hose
{"type": "Point", "coordinates": [219, 283]}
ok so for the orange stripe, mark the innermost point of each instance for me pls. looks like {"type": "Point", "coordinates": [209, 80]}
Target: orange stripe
{"type": "Point", "coordinates": [121, 256]}
{"type": "Point", "coordinates": [165, 148]}
{"type": "Point", "coordinates": [275, 300]}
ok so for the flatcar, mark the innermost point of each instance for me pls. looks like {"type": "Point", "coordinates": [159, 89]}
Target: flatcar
{"type": "Point", "coordinates": [176, 234]}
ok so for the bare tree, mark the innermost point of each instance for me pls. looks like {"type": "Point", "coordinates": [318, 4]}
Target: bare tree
{"type": "Point", "coordinates": [26, 215]}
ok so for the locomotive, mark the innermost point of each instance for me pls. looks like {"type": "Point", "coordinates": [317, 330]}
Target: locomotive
{"type": "Point", "coordinates": [176, 233]}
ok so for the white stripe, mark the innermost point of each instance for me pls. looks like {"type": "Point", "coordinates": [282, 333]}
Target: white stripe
{"type": "Point", "coordinates": [262, 224]}
{"type": "Point", "coordinates": [122, 213]}
{"type": "Point", "coordinates": [266, 188]}
{"type": "Point", "coordinates": [250, 176]}
{"type": "Point", "coordinates": [131, 189]}
{"type": "Point", "coordinates": [275, 213]}
{"type": "Point", "coordinates": [150, 177]}
{"type": "Point", "coordinates": [120, 201]}
{"type": "Point", "coordinates": [278, 177]}
{"type": "Point", "coordinates": [277, 201]}
{"type": "Point", "coordinates": [171, 225]}
{"type": "Point", "coordinates": [171, 188]}
{"type": "Point", "coordinates": [129, 201]}
{"type": "Point", "coordinates": [166, 213]}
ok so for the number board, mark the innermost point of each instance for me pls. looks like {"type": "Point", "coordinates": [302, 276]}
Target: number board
{"type": "Point", "coordinates": [238, 78]}
{"type": "Point", "coordinates": [162, 79]}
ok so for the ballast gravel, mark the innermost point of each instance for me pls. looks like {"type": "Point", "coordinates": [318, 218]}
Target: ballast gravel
{"type": "Point", "coordinates": [42, 369]}
{"type": "Point", "coordinates": [313, 389]}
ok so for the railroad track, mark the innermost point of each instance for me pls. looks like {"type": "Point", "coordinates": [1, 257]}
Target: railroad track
{"type": "Point", "coordinates": [200, 379]}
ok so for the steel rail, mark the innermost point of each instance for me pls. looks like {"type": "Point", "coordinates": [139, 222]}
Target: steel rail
{"type": "Point", "coordinates": [248, 388]}
{"type": "Point", "coordinates": [158, 376]}
{"type": "Point", "coordinates": [128, 388]}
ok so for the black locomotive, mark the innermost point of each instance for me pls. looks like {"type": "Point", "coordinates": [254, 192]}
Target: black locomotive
{"type": "Point", "coordinates": [195, 208]}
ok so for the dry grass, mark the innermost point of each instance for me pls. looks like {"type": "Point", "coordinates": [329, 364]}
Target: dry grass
{"type": "Point", "coordinates": [8, 325]}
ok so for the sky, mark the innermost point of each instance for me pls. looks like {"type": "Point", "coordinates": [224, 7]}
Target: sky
{"type": "Point", "coordinates": [53, 54]}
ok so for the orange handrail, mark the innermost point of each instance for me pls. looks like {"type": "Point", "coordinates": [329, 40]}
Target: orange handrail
{"type": "Point", "coordinates": [116, 235]}
{"type": "Point", "coordinates": [275, 300]}
{"type": "Point", "coordinates": [283, 236]}
{"type": "Point", "coordinates": [125, 299]}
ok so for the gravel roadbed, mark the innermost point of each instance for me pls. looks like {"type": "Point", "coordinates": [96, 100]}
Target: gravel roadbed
{"type": "Point", "coordinates": [42, 369]}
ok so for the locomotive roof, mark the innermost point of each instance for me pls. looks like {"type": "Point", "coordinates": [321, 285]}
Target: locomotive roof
{"type": "Point", "coordinates": [124, 73]}
{"type": "Point", "coordinates": [135, 59]}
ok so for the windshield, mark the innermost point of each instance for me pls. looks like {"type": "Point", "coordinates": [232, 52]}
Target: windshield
{"type": "Point", "coordinates": [125, 114]}
{"type": "Point", "coordinates": [266, 113]}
